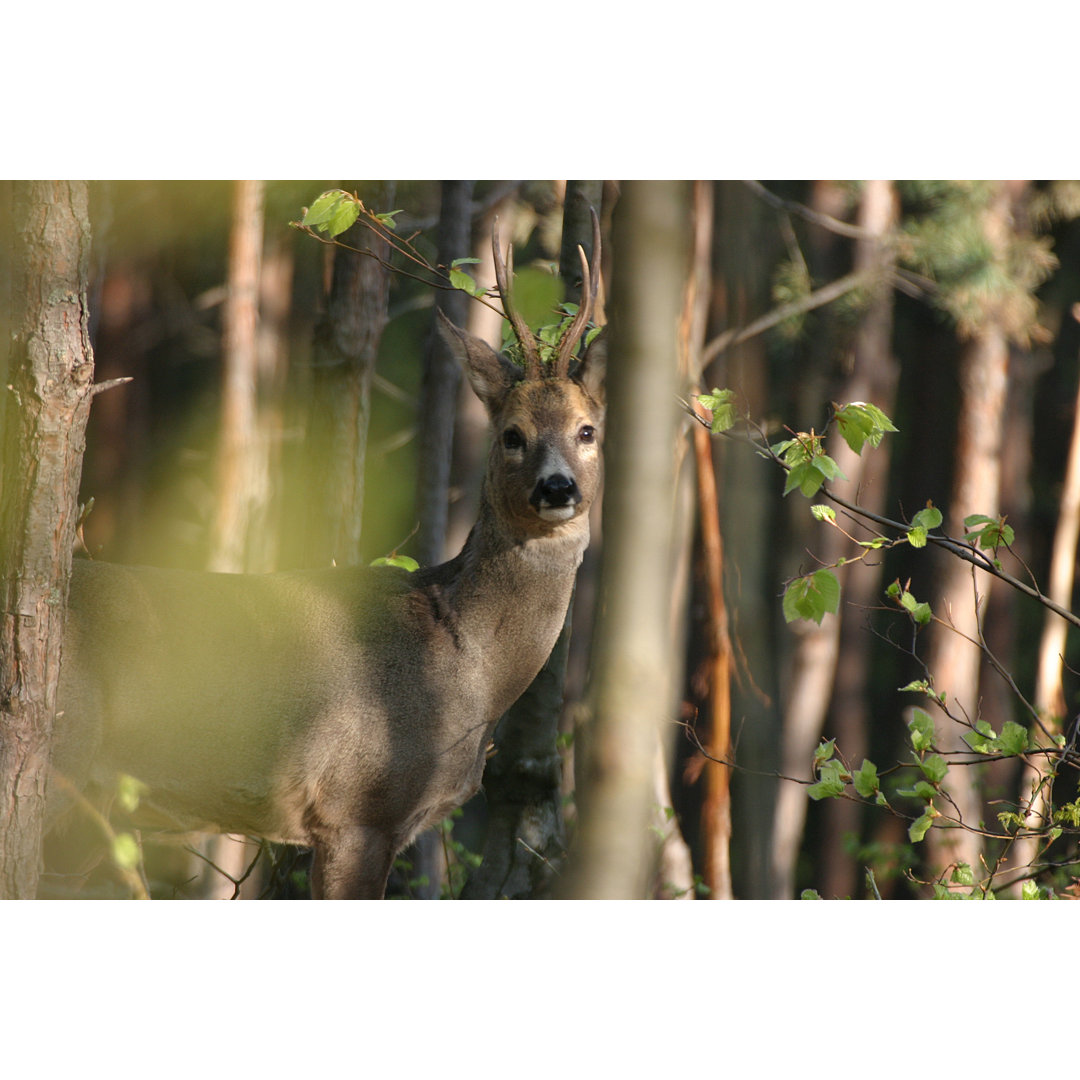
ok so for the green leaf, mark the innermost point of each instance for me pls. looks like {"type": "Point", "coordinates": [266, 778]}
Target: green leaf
{"type": "Point", "coordinates": [917, 536]}
{"type": "Point", "coordinates": [860, 422]}
{"type": "Point", "coordinates": [790, 451]}
{"type": "Point", "coordinates": [129, 792]}
{"type": "Point", "coordinates": [918, 686]}
{"type": "Point", "coordinates": [918, 610]}
{"type": "Point", "coordinates": [928, 518]}
{"type": "Point", "coordinates": [460, 280]}
{"type": "Point", "coordinates": [812, 597]}
{"type": "Point", "coordinates": [332, 212]}
{"type": "Point", "coordinates": [403, 562]}
{"type": "Point", "coordinates": [987, 532]}
{"type": "Point", "coordinates": [805, 478]}
{"type": "Point", "coordinates": [822, 512]}
{"type": "Point", "coordinates": [963, 874]}
{"type": "Point", "coordinates": [343, 218]}
{"type": "Point", "coordinates": [982, 739]}
{"type": "Point", "coordinates": [824, 752]}
{"type": "Point", "coordinates": [934, 768]}
{"type": "Point", "coordinates": [827, 467]}
{"type": "Point", "coordinates": [866, 780]}
{"type": "Point", "coordinates": [1030, 891]}
{"type": "Point", "coordinates": [918, 829]}
{"type": "Point", "coordinates": [830, 782]}
{"type": "Point", "coordinates": [323, 208]}
{"type": "Point", "coordinates": [387, 218]}
{"type": "Point", "coordinates": [921, 728]}
{"type": "Point", "coordinates": [809, 894]}
{"type": "Point", "coordinates": [920, 790]}
{"type": "Point", "coordinates": [125, 851]}
{"type": "Point", "coordinates": [828, 588]}
{"type": "Point", "coordinates": [1013, 738]}
{"type": "Point", "coordinates": [721, 404]}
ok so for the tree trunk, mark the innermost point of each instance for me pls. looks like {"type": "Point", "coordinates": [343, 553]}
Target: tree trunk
{"type": "Point", "coordinates": [953, 660]}
{"type": "Point", "coordinates": [810, 684]}
{"type": "Point", "coordinates": [346, 347]}
{"type": "Point", "coordinates": [1049, 693]}
{"type": "Point", "coordinates": [633, 686]}
{"type": "Point", "coordinates": [873, 378]}
{"type": "Point", "coordinates": [244, 480]}
{"type": "Point", "coordinates": [438, 395]}
{"type": "Point", "coordinates": [1049, 689]}
{"type": "Point", "coordinates": [45, 412]}
{"type": "Point", "coordinates": [715, 667]}
{"type": "Point", "coordinates": [743, 263]}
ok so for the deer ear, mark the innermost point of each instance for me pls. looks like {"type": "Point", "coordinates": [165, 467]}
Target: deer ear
{"type": "Point", "coordinates": [490, 374]}
{"type": "Point", "coordinates": [590, 372]}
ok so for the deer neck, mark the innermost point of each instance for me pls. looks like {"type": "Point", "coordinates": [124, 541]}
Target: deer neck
{"type": "Point", "coordinates": [508, 577]}
{"type": "Point", "coordinates": [504, 597]}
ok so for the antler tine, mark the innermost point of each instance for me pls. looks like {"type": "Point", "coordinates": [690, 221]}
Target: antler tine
{"type": "Point", "coordinates": [589, 285]}
{"type": "Point", "coordinates": [504, 272]}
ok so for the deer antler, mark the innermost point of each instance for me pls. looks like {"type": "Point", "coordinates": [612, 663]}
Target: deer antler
{"type": "Point", "coordinates": [589, 285]}
{"type": "Point", "coordinates": [504, 272]}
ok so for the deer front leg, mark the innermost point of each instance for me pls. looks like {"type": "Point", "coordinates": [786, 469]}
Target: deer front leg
{"type": "Point", "coordinates": [351, 864]}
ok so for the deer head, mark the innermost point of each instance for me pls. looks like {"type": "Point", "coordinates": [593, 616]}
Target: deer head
{"type": "Point", "coordinates": [547, 418]}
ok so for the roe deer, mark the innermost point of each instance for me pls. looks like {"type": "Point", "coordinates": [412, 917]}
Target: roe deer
{"type": "Point", "coordinates": [345, 709]}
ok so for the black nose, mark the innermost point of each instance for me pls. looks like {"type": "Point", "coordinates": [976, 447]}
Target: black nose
{"type": "Point", "coordinates": [555, 490]}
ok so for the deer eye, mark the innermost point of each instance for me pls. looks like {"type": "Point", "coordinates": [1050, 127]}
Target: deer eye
{"type": "Point", "coordinates": [587, 433]}
{"type": "Point", "coordinates": [512, 439]}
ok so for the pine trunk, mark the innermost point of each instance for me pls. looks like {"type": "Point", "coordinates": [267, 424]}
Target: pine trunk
{"type": "Point", "coordinates": [45, 412]}
{"type": "Point", "coordinates": [955, 658]}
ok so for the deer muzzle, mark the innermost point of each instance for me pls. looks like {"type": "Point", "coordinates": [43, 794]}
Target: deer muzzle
{"type": "Point", "coordinates": [555, 497]}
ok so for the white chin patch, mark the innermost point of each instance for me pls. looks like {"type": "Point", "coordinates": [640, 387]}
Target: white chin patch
{"type": "Point", "coordinates": [557, 513]}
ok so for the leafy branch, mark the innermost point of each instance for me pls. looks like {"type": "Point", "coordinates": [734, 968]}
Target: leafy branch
{"type": "Point", "coordinates": [335, 212]}
{"type": "Point", "coordinates": [809, 470]}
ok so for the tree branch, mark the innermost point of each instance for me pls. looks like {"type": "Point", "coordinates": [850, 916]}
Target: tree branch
{"type": "Point", "coordinates": [818, 298]}
{"type": "Point", "coordinates": [815, 217]}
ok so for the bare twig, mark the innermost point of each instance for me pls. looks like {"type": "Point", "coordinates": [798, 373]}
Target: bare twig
{"type": "Point", "coordinates": [108, 384]}
{"type": "Point", "coordinates": [818, 298]}
{"type": "Point", "coordinates": [826, 221]}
